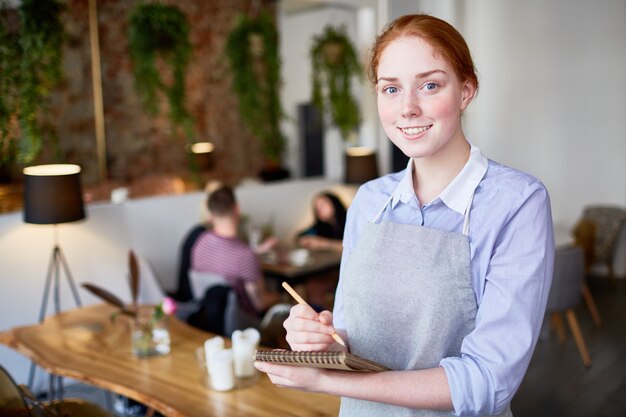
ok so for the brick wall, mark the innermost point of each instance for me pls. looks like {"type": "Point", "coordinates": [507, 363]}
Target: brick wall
{"type": "Point", "coordinates": [137, 143]}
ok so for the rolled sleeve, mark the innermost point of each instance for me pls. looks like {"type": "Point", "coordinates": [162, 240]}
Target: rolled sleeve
{"type": "Point", "coordinates": [515, 286]}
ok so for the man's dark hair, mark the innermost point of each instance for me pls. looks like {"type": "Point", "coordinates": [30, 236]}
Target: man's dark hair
{"type": "Point", "coordinates": [222, 201]}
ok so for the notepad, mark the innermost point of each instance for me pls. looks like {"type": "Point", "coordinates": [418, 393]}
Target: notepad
{"type": "Point", "coordinates": [343, 361]}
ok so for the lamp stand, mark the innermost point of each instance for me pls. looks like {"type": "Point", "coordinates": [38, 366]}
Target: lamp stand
{"type": "Point", "coordinates": [57, 260]}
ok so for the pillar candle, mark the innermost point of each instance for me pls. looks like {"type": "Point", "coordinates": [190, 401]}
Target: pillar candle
{"type": "Point", "coordinates": [244, 344]}
{"type": "Point", "coordinates": [222, 375]}
{"type": "Point", "coordinates": [211, 345]}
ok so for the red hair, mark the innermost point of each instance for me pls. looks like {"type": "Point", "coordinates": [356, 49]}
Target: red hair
{"type": "Point", "coordinates": [442, 36]}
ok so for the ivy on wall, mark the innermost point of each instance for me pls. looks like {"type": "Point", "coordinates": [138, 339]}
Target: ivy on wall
{"type": "Point", "coordinates": [334, 65]}
{"type": "Point", "coordinates": [252, 51]}
{"type": "Point", "coordinates": [30, 67]}
{"type": "Point", "coordinates": [160, 31]}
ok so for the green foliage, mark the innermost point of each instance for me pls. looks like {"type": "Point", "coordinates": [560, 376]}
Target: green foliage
{"type": "Point", "coordinates": [30, 66]}
{"type": "Point", "coordinates": [158, 30]}
{"type": "Point", "coordinates": [252, 50]}
{"type": "Point", "coordinates": [334, 64]}
{"type": "Point", "coordinates": [9, 92]}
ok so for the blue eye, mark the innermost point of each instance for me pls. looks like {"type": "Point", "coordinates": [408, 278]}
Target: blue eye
{"type": "Point", "coordinates": [431, 86]}
{"type": "Point", "coordinates": [390, 90]}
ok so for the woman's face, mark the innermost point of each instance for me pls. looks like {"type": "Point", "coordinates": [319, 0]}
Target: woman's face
{"type": "Point", "coordinates": [420, 98]}
{"type": "Point", "coordinates": [324, 209]}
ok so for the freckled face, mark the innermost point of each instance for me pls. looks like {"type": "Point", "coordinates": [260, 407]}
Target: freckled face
{"type": "Point", "coordinates": [420, 98]}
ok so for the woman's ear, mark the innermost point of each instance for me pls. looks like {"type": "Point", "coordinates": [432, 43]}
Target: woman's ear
{"type": "Point", "coordinates": [467, 94]}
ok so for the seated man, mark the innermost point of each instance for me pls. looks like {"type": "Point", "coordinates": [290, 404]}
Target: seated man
{"type": "Point", "coordinates": [218, 250]}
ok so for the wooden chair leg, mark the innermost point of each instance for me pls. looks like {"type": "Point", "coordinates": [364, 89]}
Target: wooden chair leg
{"type": "Point", "coordinates": [559, 327]}
{"type": "Point", "coordinates": [612, 276]}
{"type": "Point", "coordinates": [578, 337]}
{"type": "Point", "coordinates": [591, 305]}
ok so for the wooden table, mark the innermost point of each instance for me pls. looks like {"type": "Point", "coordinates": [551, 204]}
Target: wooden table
{"type": "Point", "coordinates": [85, 345]}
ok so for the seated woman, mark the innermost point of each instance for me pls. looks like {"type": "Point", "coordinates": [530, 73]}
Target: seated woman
{"type": "Point", "coordinates": [325, 234]}
{"type": "Point", "coordinates": [330, 220]}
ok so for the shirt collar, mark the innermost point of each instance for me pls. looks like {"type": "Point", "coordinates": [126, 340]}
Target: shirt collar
{"type": "Point", "coordinates": [460, 190]}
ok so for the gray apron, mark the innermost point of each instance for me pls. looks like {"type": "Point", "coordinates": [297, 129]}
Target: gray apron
{"type": "Point", "coordinates": [408, 302]}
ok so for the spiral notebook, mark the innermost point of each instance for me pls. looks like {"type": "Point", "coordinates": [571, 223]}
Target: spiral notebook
{"type": "Point", "coordinates": [343, 361]}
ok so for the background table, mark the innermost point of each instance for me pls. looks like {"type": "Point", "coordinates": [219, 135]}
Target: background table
{"type": "Point", "coordinates": [319, 262]}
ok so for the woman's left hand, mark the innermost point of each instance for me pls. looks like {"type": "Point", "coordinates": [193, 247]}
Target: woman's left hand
{"type": "Point", "coordinates": [296, 377]}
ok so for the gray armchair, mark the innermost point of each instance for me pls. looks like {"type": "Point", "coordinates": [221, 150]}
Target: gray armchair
{"type": "Point", "coordinates": [599, 231]}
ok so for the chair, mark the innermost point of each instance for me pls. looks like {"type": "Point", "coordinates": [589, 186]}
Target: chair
{"type": "Point", "coordinates": [16, 401]}
{"type": "Point", "coordinates": [599, 231]}
{"type": "Point", "coordinates": [184, 291]}
{"type": "Point", "coordinates": [565, 294]}
{"type": "Point", "coordinates": [221, 308]}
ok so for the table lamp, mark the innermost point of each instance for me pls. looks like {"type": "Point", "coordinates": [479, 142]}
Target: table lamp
{"type": "Point", "coordinates": [203, 152]}
{"type": "Point", "coordinates": [360, 165]}
{"type": "Point", "coordinates": [52, 195]}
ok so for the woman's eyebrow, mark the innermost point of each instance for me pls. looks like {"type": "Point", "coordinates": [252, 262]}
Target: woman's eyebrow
{"type": "Point", "coordinates": [417, 76]}
{"type": "Point", "coordinates": [429, 73]}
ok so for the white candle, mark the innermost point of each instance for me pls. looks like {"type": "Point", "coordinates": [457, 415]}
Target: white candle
{"type": "Point", "coordinates": [210, 346]}
{"type": "Point", "coordinates": [222, 375]}
{"type": "Point", "coordinates": [244, 344]}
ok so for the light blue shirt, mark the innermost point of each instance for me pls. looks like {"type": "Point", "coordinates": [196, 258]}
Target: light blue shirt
{"type": "Point", "coordinates": [512, 255]}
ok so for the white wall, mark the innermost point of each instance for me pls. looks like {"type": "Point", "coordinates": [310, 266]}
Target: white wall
{"type": "Point", "coordinates": [553, 95]}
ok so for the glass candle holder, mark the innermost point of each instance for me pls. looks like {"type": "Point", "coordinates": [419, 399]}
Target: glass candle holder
{"type": "Point", "coordinates": [150, 336]}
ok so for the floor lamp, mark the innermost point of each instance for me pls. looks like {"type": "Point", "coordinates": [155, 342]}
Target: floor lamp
{"type": "Point", "coordinates": [52, 195]}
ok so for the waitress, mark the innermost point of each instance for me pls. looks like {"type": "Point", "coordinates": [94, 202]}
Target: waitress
{"type": "Point", "coordinates": [446, 265]}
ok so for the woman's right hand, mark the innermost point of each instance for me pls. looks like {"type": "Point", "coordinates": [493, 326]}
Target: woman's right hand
{"type": "Point", "coordinates": [309, 330]}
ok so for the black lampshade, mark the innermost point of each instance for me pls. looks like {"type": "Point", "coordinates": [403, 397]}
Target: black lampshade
{"type": "Point", "coordinates": [52, 194]}
{"type": "Point", "coordinates": [203, 153]}
{"type": "Point", "coordinates": [360, 165]}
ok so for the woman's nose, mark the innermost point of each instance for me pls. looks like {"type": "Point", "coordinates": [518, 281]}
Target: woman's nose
{"type": "Point", "coordinates": [410, 105]}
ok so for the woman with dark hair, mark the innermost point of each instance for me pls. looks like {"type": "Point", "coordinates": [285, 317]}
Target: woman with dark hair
{"type": "Point", "coordinates": [330, 220]}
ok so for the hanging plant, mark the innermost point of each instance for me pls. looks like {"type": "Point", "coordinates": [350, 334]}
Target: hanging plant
{"type": "Point", "coordinates": [30, 66]}
{"type": "Point", "coordinates": [160, 31]}
{"type": "Point", "coordinates": [252, 51]}
{"type": "Point", "coordinates": [9, 93]}
{"type": "Point", "coordinates": [334, 65]}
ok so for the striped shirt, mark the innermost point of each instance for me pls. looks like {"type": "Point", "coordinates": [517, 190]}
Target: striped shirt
{"type": "Point", "coordinates": [228, 257]}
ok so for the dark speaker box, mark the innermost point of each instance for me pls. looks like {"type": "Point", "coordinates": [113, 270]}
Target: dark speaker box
{"type": "Point", "coordinates": [311, 133]}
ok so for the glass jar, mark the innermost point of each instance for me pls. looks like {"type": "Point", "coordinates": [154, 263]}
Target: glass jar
{"type": "Point", "coordinates": [149, 336]}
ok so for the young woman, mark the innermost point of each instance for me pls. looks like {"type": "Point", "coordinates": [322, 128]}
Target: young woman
{"type": "Point", "coordinates": [446, 266]}
{"type": "Point", "coordinates": [330, 222]}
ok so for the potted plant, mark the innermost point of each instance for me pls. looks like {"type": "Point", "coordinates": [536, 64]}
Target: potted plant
{"type": "Point", "coordinates": [160, 31]}
{"type": "Point", "coordinates": [30, 67]}
{"type": "Point", "coordinates": [334, 65]}
{"type": "Point", "coordinates": [252, 52]}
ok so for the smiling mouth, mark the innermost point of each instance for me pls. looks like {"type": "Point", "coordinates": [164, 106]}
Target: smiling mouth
{"type": "Point", "coordinates": [412, 131]}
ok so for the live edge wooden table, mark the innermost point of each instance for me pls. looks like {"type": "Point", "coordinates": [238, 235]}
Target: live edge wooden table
{"type": "Point", "coordinates": [86, 345]}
